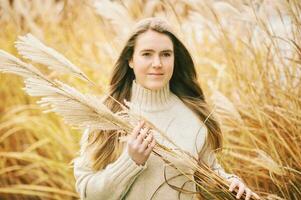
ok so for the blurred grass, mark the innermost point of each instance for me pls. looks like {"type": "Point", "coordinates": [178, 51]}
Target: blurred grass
{"type": "Point", "coordinates": [248, 56]}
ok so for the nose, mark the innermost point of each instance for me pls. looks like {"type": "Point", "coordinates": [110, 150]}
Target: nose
{"type": "Point", "coordinates": [156, 62]}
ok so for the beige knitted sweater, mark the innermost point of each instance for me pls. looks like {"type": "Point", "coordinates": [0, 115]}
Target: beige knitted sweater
{"type": "Point", "coordinates": [123, 179]}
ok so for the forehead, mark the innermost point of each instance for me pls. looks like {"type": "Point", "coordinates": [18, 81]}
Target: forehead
{"type": "Point", "coordinates": [153, 40]}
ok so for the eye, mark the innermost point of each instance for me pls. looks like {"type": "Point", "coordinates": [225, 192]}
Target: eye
{"type": "Point", "coordinates": [166, 54]}
{"type": "Point", "coordinates": [146, 54]}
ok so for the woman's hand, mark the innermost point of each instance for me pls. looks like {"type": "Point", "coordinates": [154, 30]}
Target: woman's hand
{"type": "Point", "coordinates": [235, 182]}
{"type": "Point", "coordinates": [140, 144]}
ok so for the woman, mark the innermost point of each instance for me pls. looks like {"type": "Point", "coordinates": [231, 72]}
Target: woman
{"type": "Point", "coordinates": [156, 75]}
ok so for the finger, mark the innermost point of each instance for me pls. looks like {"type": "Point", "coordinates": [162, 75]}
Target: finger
{"type": "Point", "coordinates": [150, 147]}
{"type": "Point", "coordinates": [240, 190]}
{"type": "Point", "coordinates": [142, 135]}
{"type": "Point", "coordinates": [147, 141]}
{"type": "Point", "coordinates": [248, 194]}
{"type": "Point", "coordinates": [136, 130]}
{"type": "Point", "coordinates": [233, 184]}
{"type": "Point", "coordinates": [255, 195]}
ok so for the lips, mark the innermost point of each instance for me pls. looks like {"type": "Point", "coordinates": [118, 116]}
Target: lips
{"type": "Point", "coordinates": [155, 74]}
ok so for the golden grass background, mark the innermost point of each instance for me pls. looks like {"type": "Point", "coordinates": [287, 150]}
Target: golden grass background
{"type": "Point", "coordinates": [248, 57]}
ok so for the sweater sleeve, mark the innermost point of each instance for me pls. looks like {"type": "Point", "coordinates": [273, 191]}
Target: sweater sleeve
{"type": "Point", "coordinates": [111, 183]}
{"type": "Point", "coordinates": [212, 161]}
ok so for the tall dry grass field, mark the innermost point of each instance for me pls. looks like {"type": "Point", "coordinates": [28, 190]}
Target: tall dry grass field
{"type": "Point", "coordinates": [248, 57]}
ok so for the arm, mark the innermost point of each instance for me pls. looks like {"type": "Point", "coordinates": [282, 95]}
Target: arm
{"type": "Point", "coordinates": [234, 181]}
{"type": "Point", "coordinates": [220, 170]}
{"type": "Point", "coordinates": [213, 163]}
{"type": "Point", "coordinates": [111, 183]}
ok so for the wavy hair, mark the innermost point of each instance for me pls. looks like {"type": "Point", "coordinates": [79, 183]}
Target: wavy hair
{"type": "Point", "coordinates": [104, 147]}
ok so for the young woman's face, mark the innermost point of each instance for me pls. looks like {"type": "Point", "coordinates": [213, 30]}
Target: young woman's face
{"type": "Point", "coordinates": [153, 60]}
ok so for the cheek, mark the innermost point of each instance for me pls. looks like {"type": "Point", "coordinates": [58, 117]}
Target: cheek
{"type": "Point", "coordinates": [170, 66]}
{"type": "Point", "coordinates": [139, 71]}
{"type": "Point", "coordinates": [170, 72]}
{"type": "Point", "coordinates": [141, 65]}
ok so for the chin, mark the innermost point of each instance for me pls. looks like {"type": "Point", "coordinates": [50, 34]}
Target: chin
{"type": "Point", "coordinates": [155, 86]}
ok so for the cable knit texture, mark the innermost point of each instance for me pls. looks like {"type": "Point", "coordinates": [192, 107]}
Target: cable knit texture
{"type": "Point", "coordinates": [123, 179]}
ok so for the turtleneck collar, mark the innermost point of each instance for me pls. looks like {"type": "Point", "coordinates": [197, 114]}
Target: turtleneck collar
{"type": "Point", "coordinates": [150, 100]}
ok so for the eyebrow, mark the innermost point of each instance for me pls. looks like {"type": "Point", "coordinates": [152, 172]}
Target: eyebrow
{"type": "Point", "coordinates": [165, 51]}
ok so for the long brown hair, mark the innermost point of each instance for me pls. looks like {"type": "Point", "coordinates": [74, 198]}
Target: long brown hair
{"type": "Point", "coordinates": [104, 147]}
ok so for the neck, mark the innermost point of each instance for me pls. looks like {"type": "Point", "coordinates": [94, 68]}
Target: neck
{"type": "Point", "coordinates": [150, 100]}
